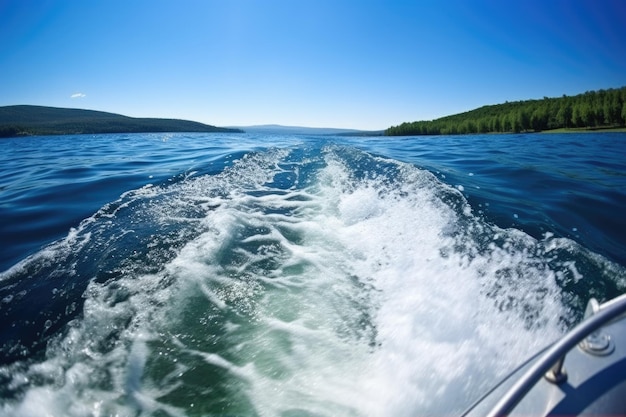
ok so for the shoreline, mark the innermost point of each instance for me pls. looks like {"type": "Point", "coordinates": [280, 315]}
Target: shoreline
{"type": "Point", "coordinates": [586, 130]}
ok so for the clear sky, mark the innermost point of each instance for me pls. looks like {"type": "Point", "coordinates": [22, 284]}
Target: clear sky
{"type": "Point", "coordinates": [323, 63]}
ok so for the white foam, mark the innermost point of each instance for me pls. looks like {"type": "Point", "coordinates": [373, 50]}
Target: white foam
{"type": "Point", "coordinates": [356, 297]}
{"type": "Point", "coordinates": [435, 326]}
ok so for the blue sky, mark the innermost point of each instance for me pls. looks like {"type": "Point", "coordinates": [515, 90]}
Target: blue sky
{"type": "Point", "coordinates": [353, 64]}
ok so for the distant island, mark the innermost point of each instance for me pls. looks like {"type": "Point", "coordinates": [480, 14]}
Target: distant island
{"type": "Point", "coordinates": [602, 109]}
{"type": "Point", "coordinates": [25, 120]}
{"type": "Point", "coordinates": [301, 130]}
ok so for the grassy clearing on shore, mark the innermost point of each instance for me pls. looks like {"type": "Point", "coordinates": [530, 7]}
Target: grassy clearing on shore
{"type": "Point", "coordinates": [586, 130]}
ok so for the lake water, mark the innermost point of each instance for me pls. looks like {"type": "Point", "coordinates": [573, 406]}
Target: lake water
{"type": "Point", "coordinates": [260, 275]}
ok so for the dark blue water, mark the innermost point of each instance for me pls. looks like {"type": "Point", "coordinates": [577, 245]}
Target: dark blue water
{"type": "Point", "coordinates": [292, 275]}
{"type": "Point", "coordinates": [572, 185]}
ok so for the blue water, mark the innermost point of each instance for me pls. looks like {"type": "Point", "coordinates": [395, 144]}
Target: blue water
{"type": "Point", "coordinates": [212, 274]}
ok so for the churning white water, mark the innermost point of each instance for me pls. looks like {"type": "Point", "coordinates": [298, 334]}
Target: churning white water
{"type": "Point", "coordinates": [333, 283]}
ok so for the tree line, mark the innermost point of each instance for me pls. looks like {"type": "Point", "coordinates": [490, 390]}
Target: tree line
{"type": "Point", "coordinates": [593, 109]}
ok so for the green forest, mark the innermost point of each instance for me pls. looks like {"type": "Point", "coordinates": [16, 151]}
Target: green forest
{"type": "Point", "coordinates": [591, 110]}
{"type": "Point", "coordinates": [26, 120]}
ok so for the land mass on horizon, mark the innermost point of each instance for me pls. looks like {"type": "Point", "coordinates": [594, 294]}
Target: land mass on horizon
{"type": "Point", "coordinates": [303, 130]}
{"type": "Point", "coordinates": [27, 120]}
{"type": "Point", "coordinates": [601, 109]}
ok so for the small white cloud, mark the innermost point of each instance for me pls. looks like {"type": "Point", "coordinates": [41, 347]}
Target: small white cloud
{"type": "Point", "coordinates": [78, 95]}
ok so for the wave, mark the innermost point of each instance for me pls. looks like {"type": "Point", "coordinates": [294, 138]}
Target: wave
{"type": "Point", "coordinates": [320, 280]}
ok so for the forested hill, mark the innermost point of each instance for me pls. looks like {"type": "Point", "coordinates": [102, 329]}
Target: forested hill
{"type": "Point", "coordinates": [40, 120]}
{"type": "Point", "coordinates": [593, 109]}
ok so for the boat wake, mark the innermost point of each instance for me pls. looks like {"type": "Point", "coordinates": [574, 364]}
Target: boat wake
{"type": "Point", "coordinates": [316, 281]}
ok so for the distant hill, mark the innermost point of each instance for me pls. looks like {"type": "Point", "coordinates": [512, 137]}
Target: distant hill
{"type": "Point", "coordinates": [300, 130]}
{"type": "Point", "coordinates": [25, 120]}
{"type": "Point", "coordinates": [588, 111]}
